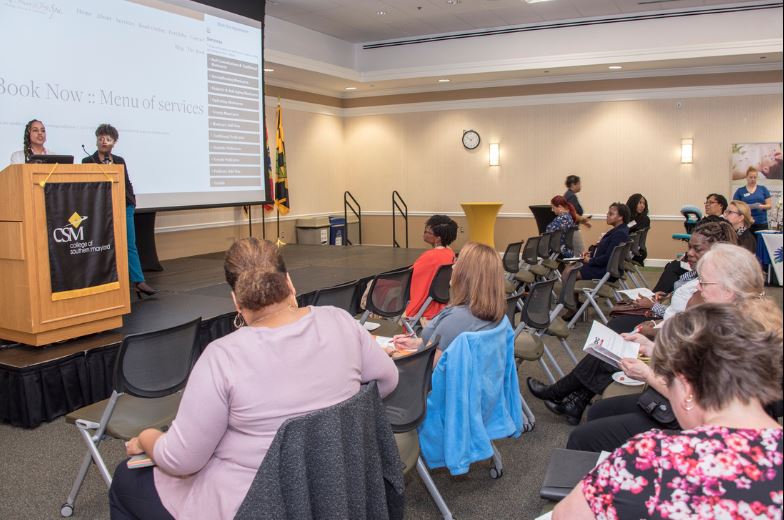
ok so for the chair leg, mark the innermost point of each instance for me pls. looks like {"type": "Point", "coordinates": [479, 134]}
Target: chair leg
{"type": "Point", "coordinates": [577, 314]}
{"type": "Point", "coordinates": [77, 485]}
{"type": "Point", "coordinates": [93, 442]}
{"type": "Point", "coordinates": [596, 308]}
{"type": "Point", "coordinates": [553, 361]}
{"type": "Point", "coordinates": [547, 371]}
{"type": "Point", "coordinates": [530, 418]}
{"type": "Point", "coordinates": [497, 469]}
{"type": "Point", "coordinates": [432, 489]}
{"type": "Point", "coordinates": [568, 349]}
{"type": "Point", "coordinates": [643, 281]}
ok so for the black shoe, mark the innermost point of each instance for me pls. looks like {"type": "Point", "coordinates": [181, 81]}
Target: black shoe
{"type": "Point", "coordinates": [538, 389]}
{"type": "Point", "coordinates": [574, 405]}
{"type": "Point", "coordinates": [556, 407]}
{"type": "Point", "coordinates": [143, 288]}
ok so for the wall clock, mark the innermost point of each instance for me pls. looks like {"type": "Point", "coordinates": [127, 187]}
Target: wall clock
{"type": "Point", "coordinates": [471, 139]}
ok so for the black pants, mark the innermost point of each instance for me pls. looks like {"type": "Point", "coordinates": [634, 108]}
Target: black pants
{"type": "Point", "coordinates": [672, 271]}
{"type": "Point", "coordinates": [621, 324]}
{"type": "Point", "coordinates": [612, 422]}
{"type": "Point", "coordinates": [133, 495]}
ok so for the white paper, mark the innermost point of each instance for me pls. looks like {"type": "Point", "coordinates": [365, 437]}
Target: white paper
{"type": "Point", "coordinates": [384, 341]}
{"type": "Point", "coordinates": [609, 346]}
{"type": "Point", "coordinates": [547, 516]}
{"type": "Point", "coordinates": [632, 223]}
{"type": "Point", "coordinates": [633, 294]}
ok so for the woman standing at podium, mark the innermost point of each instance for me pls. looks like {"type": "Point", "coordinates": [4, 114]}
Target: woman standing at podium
{"type": "Point", "coordinates": [106, 137]}
{"type": "Point", "coordinates": [34, 139]}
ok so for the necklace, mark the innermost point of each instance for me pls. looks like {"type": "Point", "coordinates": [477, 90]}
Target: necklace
{"type": "Point", "coordinates": [272, 314]}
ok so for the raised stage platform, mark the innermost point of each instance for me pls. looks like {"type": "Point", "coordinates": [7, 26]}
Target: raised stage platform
{"type": "Point", "coordinates": [40, 384]}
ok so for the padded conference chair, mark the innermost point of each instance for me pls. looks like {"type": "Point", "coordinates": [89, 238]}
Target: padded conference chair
{"type": "Point", "coordinates": [406, 408]}
{"type": "Point", "coordinates": [566, 300]}
{"type": "Point", "coordinates": [341, 296]}
{"type": "Point", "coordinates": [511, 263]}
{"type": "Point", "coordinates": [593, 289]}
{"type": "Point", "coordinates": [534, 321]}
{"type": "Point", "coordinates": [388, 296]}
{"type": "Point", "coordinates": [439, 292]}
{"type": "Point", "coordinates": [150, 371]}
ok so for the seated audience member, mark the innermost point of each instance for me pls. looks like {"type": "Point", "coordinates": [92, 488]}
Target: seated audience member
{"type": "Point", "coordinates": [284, 362]}
{"type": "Point", "coordinates": [571, 394]}
{"type": "Point", "coordinates": [440, 231]}
{"type": "Point", "coordinates": [638, 219]}
{"type": "Point", "coordinates": [728, 274]}
{"type": "Point", "coordinates": [477, 300]}
{"type": "Point", "coordinates": [739, 216]}
{"type": "Point", "coordinates": [595, 264]}
{"type": "Point", "coordinates": [719, 367]}
{"type": "Point", "coordinates": [715, 206]}
{"type": "Point", "coordinates": [565, 219]}
{"type": "Point", "coordinates": [757, 196]}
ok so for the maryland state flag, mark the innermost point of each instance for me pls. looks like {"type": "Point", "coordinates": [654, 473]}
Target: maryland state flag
{"type": "Point", "coordinates": [282, 180]}
{"type": "Point", "coordinates": [270, 187]}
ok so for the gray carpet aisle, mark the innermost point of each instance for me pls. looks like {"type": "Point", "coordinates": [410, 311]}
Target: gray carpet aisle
{"type": "Point", "coordinates": [39, 466]}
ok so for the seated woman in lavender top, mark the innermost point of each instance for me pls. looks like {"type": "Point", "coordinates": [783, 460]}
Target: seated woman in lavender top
{"type": "Point", "coordinates": [284, 362]}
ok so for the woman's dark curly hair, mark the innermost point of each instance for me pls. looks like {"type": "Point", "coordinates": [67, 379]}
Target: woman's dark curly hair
{"type": "Point", "coordinates": [443, 227]}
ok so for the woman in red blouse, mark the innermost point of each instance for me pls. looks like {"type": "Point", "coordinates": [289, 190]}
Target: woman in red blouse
{"type": "Point", "coordinates": [440, 231]}
{"type": "Point", "coordinates": [721, 365]}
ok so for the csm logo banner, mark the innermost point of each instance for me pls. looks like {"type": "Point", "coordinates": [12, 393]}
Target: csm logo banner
{"type": "Point", "coordinates": [80, 226]}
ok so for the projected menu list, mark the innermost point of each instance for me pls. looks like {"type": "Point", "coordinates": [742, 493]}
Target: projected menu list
{"type": "Point", "coordinates": [233, 119]}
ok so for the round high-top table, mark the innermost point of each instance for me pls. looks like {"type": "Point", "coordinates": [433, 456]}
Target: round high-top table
{"type": "Point", "coordinates": [481, 221]}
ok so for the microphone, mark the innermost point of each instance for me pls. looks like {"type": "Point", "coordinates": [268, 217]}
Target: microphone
{"type": "Point", "coordinates": [88, 154]}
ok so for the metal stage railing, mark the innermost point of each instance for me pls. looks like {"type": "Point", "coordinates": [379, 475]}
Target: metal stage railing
{"type": "Point", "coordinates": [356, 209]}
{"type": "Point", "coordinates": [397, 200]}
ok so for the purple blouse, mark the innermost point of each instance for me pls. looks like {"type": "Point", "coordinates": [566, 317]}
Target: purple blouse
{"type": "Point", "coordinates": [241, 390]}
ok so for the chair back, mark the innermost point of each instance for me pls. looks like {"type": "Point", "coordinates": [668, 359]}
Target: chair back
{"type": "Point", "coordinates": [511, 308]}
{"type": "Point", "coordinates": [511, 258]}
{"type": "Point", "coordinates": [530, 255]}
{"type": "Point", "coordinates": [405, 406]}
{"type": "Point", "coordinates": [643, 238]}
{"type": "Point", "coordinates": [568, 298]}
{"type": "Point", "coordinates": [439, 287]}
{"type": "Point", "coordinates": [543, 248]}
{"type": "Point", "coordinates": [536, 306]}
{"type": "Point", "coordinates": [157, 364]}
{"type": "Point", "coordinates": [617, 257]}
{"type": "Point", "coordinates": [569, 241]}
{"type": "Point", "coordinates": [388, 295]}
{"type": "Point", "coordinates": [555, 241]}
{"type": "Point", "coordinates": [342, 296]}
{"type": "Point", "coordinates": [332, 463]}
{"type": "Point", "coordinates": [636, 240]}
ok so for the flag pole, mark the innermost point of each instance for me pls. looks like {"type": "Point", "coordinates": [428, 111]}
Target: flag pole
{"type": "Point", "coordinates": [250, 221]}
{"type": "Point", "coordinates": [279, 242]}
{"type": "Point", "coordinates": [263, 225]}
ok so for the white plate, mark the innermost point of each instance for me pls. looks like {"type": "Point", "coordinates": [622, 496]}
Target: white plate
{"type": "Point", "coordinates": [371, 326]}
{"type": "Point", "coordinates": [620, 377]}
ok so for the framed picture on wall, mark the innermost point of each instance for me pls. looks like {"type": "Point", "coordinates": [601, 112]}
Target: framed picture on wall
{"type": "Point", "coordinates": [767, 159]}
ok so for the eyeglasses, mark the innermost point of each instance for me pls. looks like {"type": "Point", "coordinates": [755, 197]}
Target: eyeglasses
{"type": "Point", "coordinates": [730, 212]}
{"type": "Point", "coordinates": [703, 282]}
{"type": "Point", "coordinates": [709, 202]}
{"type": "Point", "coordinates": [428, 231]}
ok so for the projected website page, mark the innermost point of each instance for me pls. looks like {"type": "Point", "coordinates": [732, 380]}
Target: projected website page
{"type": "Point", "coordinates": [181, 82]}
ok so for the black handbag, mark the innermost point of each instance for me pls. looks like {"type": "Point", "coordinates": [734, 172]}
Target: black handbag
{"type": "Point", "coordinates": [657, 407]}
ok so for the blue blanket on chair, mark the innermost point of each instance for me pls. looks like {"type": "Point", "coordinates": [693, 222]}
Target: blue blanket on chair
{"type": "Point", "coordinates": [475, 398]}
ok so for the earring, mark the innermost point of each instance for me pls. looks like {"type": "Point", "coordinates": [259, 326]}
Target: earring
{"type": "Point", "coordinates": [239, 321]}
{"type": "Point", "coordinates": [688, 403]}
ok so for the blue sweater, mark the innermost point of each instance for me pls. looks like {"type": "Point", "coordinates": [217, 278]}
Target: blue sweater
{"type": "Point", "coordinates": [475, 398]}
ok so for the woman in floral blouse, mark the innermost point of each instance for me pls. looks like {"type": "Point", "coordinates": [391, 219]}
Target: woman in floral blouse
{"type": "Point", "coordinates": [565, 218]}
{"type": "Point", "coordinates": [720, 368]}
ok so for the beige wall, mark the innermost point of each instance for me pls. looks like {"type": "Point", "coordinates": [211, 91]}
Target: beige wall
{"type": "Point", "coordinates": [617, 147]}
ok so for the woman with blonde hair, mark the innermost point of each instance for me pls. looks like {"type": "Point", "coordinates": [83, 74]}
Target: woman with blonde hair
{"type": "Point", "coordinates": [739, 216]}
{"type": "Point", "coordinates": [728, 275]}
{"type": "Point", "coordinates": [282, 361]}
{"type": "Point", "coordinates": [720, 364]}
{"type": "Point", "coordinates": [477, 300]}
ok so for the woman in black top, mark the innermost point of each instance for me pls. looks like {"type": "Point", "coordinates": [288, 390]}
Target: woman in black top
{"type": "Point", "coordinates": [106, 137]}
{"type": "Point", "coordinates": [739, 215]}
{"type": "Point", "coordinates": [638, 207]}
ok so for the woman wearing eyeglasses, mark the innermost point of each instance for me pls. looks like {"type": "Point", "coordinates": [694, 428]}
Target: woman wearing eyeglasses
{"type": "Point", "coordinates": [106, 137]}
{"type": "Point", "coordinates": [739, 215]}
{"type": "Point", "coordinates": [757, 197]}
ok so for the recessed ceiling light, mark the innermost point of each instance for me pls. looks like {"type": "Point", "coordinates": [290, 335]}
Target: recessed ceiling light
{"type": "Point", "coordinates": [381, 13]}
{"type": "Point", "coordinates": [615, 67]}
{"type": "Point", "coordinates": [268, 70]}
{"type": "Point", "coordinates": [453, 2]}
{"type": "Point", "coordinates": [351, 88]}
{"type": "Point", "coordinates": [444, 80]}
{"type": "Point", "coordinates": [535, 1]}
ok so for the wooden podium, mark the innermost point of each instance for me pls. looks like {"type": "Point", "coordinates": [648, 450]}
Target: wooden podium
{"type": "Point", "coordinates": [28, 313]}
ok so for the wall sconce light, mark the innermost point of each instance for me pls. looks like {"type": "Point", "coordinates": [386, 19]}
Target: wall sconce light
{"type": "Point", "coordinates": [687, 150]}
{"type": "Point", "coordinates": [495, 154]}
